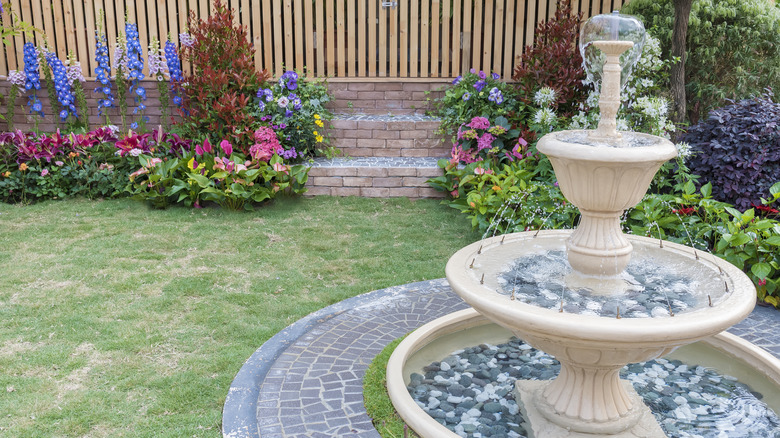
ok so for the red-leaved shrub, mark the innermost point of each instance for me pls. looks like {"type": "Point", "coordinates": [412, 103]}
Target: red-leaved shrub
{"type": "Point", "coordinates": [223, 82]}
{"type": "Point", "coordinates": [554, 61]}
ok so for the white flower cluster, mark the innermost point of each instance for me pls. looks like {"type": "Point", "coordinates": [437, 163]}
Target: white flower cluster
{"type": "Point", "coordinates": [684, 150]}
{"type": "Point", "coordinates": [545, 96]}
{"type": "Point", "coordinates": [73, 72]}
{"type": "Point", "coordinates": [545, 117]}
{"type": "Point", "coordinates": [17, 78]}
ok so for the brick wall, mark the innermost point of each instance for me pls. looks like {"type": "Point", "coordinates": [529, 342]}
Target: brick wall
{"type": "Point", "coordinates": [383, 97]}
{"type": "Point", "coordinates": [388, 138]}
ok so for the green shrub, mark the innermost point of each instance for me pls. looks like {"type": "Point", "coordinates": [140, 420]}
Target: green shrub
{"type": "Point", "coordinates": [732, 47]}
{"type": "Point", "coordinates": [475, 94]}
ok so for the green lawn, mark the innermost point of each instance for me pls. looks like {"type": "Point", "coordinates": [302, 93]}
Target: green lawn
{"type": "Point", "coordinates": [118, 320]}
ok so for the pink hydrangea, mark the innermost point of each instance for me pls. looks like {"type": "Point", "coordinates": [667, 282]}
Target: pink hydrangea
{"type": "Point", "coordinates": [266, 144]}
{"type": "Point", "coordinates": [479, 123]}
{"type": "Point", "coordinates": [485, 142]}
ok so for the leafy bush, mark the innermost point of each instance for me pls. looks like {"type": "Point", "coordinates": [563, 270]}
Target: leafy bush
{"type": "Point", "coordinates": [223, 82]}
{"type": "Point", "coordinates": [215, 174]}
{"type": "Point", "coordinates": [36, 167]}
{"type": "Point", "coordinates": [295, 109]}
{"type": "Point", "coordinates": [731, 46]}
{"type": "Point", "coordinates": [554, 61]}
{"type": "Point", "coordinates": [696, 219]}
{"type": "Point", "coordinates": [475, 94]}
{"type": "Point", "coordinates": [737, 149]}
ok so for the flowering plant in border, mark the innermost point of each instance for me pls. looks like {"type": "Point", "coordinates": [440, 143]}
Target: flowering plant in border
{"type": "Point", "coordinates": [475, 94]}
{"type": "Point", "coordinates": [217, 174]}
{"type": "Point", "coordinates": [295, 110]}
{"type": "Point", "coordinates": [135, 65]}
{"type": "Point", "coordinates": [220, 91]}
{"type": "Point", "coordinates": [36, 167]}
{"type": "Point", "coordinates": [481, 140]}
{"type": "Point", "coordinates": [103, 70]}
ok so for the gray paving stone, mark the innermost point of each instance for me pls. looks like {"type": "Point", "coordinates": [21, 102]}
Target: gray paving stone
{"type": "Point", "coordinates": [341, 341]}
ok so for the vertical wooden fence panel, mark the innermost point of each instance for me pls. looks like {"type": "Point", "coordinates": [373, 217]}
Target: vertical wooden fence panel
{"type": "Point", "coordinates": [371, 39]}
{"type": "Point", "coordinates": [435, 38]}
{"type": "Point", "coordinates": [456, 41]}
{"type": "Point", "coordinates": [300, 49]}
{"type": "Point", "coordinates": [403, 38]}
{"type": "Point", "coordinates": [351, 38]}
{"type": "Point", "coordinates": [425, 53]}
{"type": "Point", "coordinates": [392, 35]}
{"type": "Point", "coordinates": [445, 38]}
{"type": "Point", "coordinates": [509, 47]}
{"type": "Point", "coordinates": [362, 54]}
{"type": "Point", "coordinates": [309, 31]}
{"type": "Point", "coordinates": [383, 18]}
{"type": "Point", "coordinates": [488, 27]}
{"type": "Point", "coordinates": [466, 43]}
{"type": "Point", "coordinates": [342, 38]}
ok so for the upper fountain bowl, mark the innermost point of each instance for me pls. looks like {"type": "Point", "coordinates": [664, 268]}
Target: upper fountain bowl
{"type": "Point", "coordinates": [603, 179]}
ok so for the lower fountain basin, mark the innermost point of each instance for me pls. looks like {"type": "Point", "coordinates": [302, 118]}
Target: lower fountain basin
{"type": "Point", "coordinates": [432, 342]}
{"type": "Point", "coordinates": [588, 396]}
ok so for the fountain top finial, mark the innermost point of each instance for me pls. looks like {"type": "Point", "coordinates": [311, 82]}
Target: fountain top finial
{"type": "Point", "coordinates": [619, 40]}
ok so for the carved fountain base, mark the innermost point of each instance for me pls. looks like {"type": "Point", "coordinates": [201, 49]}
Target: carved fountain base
{"type": "Point", "coordinates": [538, 413]}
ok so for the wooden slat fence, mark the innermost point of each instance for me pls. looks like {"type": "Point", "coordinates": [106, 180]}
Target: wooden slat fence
{"type": "Point", "coordinates": [388, 40]}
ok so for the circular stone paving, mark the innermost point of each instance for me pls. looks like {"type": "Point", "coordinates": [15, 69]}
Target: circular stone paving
{"type": "Point", "coordinates": [307, 381]}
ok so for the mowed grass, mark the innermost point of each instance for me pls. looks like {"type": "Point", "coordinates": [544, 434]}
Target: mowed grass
{"type": "Point", "coordinates": [117, 320]}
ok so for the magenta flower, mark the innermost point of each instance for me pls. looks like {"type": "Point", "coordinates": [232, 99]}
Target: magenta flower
{"type": "Point", "coordinates": [479, 123]}
{"type": "Point", "coordinates": [207, 148]}
{"type": "Point", "coordinates": [44, 172]}
{"type": "Point", "coordinates": [198, 149]}
{"type": "Point", "coordinates": [226, 147]}
{"type": "Point", "coordinates": [485, 142]}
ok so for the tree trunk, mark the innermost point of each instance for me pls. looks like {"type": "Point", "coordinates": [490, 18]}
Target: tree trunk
{"type": "Point", "coordinates": [682, 11]}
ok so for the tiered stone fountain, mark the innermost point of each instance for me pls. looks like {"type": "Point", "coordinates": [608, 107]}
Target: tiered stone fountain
{"type": "Point", "coordinates": [602, 172]}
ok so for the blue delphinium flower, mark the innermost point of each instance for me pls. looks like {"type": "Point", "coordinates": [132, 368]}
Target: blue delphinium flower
{"type": "Point", "coordinates": [103, 73]}
{"type": "Point", "coordinates": [496, 96]}
{"type": "Point", "coordinates": [174, 71]}
{"type": "Point", "coordinates": [33, 78]}
{"type": "Point", "coordinates": [135, 64]}
{"type": "Point", "coordinates": [62, 86]}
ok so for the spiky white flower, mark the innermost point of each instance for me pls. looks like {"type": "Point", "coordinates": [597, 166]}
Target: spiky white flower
{"type": "Point", "coordinates": [545, 117]}
{"type": "Point", "coordinates": [545, 96]}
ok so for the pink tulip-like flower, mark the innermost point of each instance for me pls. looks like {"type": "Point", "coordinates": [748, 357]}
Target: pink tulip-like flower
{"type": "Point", "coordinates": [207, 148]}
{"type": "Point", "coordinates": [155, 161]}
{"type": "Point", "coordinates": [199, 150]}
{"type": "Point", "coordinates": [226, 147]}
{"type": "Point", "coordinates": [279, 167]}
{"type": "Point", "coordinates": [479, 171]}
{"type": "Point", "coordinates": [59, 163]}
{"type": "Point", "coordinates": [44, 172]}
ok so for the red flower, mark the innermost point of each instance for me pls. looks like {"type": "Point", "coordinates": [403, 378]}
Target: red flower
{"type": "Point", "coordinates": [685, 211]}
{"type": "Point", "coordinates": [766, 209]}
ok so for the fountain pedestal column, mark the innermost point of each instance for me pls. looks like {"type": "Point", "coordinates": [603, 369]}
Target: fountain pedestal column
{"type": "Point", "coordinates": [588, 398]}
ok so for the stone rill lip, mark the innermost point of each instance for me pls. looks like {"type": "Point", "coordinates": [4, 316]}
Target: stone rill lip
{"type": "Point", "coordinates": [678, 330]}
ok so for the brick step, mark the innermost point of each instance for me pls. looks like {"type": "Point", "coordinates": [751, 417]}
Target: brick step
{"type": "Point", "coordinates": [404, 135]}
{"type": "Point", "coordinates": [374, 177]}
